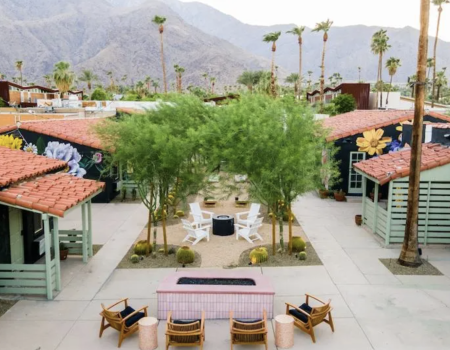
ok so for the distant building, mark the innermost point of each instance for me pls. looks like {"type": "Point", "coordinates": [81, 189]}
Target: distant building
{"type": "Point", "coordinates": [360, 91]}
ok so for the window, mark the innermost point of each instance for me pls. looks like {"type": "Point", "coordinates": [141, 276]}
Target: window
{"type": "Point", "coordinates": [37, 222]}
{"type": "Point", "coordinates": [355, 180]}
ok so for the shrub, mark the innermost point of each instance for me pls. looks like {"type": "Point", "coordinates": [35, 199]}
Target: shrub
{"type": "Point", "coordinates": [99, 95]}
{"type": "Point", "coordinates": [259, 255]}
{"type": "Point", "coordinates": [185, 255]}
{"type": "Point", "coordinates": [171, 251]}
{"type": "Point", "coordinates": [344, 103]}
{"type": "Point", "coordinates": [140, 248]}
{"type": "Point", "coordinates": [298, 244]}
{"type": "Point", "coordinates": [134, 258]}
{"type": "Point", "coordinates": [302, 256]}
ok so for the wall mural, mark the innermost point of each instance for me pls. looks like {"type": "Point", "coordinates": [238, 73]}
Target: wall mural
{"type": "Point", "coordinates": [9, 141]}
{"type": "Point", "coordinates": [67, 153]}
{"type": "Point", "coordinates": [373, 142]}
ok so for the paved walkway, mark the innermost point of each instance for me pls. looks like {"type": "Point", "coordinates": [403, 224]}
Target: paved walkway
{"type": "Point", "coordinates": [372, 308]}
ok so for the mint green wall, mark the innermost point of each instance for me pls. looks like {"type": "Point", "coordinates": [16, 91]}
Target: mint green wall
{"type": "Point", "coordinates": [16, 238]}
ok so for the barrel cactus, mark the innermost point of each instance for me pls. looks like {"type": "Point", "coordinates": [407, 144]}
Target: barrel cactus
{"type": "Point", "coordinates": [140, 248]}
{"type": "Point", "coordinates": [302, 256]}
{"type": "Point", "coordinates": [298, 244]}
{"type": "Point", "coordinates": [134, 258]}
{"type": "Point", "coordinates": [179, 213]}
{"type": "Point", "coordinates": [259, 255]}
{"type": "Point", "coordinates": [185, 255]}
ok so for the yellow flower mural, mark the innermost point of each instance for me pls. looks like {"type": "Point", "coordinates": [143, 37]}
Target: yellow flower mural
{"type": "Point", "coordinates": [10, 141]}
{"type": "Point", "coordinates": [373, 142]}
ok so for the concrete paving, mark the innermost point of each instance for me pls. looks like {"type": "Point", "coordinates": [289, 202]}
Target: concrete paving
{"type": "Point", "coordinates": [373, 309]}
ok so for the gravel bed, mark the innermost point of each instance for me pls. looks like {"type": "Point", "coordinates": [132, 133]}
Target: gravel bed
{"type": "Point", "coordinates": [160, 261]}
{"type": "Point", "coordinates": [282, 259]}
{"type": "Point", "coordinates": [5, 305]}
{"type": "Point", "coordinates": [426, 269]}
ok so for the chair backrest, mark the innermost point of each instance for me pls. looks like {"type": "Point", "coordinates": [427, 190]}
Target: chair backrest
{"type": "Point", "coordinates": [255, 225]}
{"type": "Point", "coordinates": [249, 332]}
{"type": "Point", "coordinates": [254, 209]}
{"type": "Point", "coordinates": [318, 313]}
{"type": "Point", "coordinates": [113, 318]}
{"type": "Point", "coordinates": [183, 328]}
{"type": "Point", "coordinates": [195, 209]}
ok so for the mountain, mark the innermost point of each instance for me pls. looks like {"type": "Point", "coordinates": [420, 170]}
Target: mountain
{"type": "Point", "coordinates": [347, 49]}
{"type": "Point", "coordinates": [112, 36]}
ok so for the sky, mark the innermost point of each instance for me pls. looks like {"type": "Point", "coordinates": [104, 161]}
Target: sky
{"type": "Point", "coordinates": [386, 13]}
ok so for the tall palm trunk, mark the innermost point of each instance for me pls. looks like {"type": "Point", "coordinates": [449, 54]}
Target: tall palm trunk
{"type": "Point", "coordinates": [380, 81]}
{"type": "Point", "coordinates": [300, 46]}
{"type": "Point", "coordinates": [409, 255]}
{"type": "Point", "coordinates": [149, 226]}
{"type": "Point", "coordinates": [272, 73]}
{"type": "Point", "coordinates": [163, 64]}
{"type": "Point", "coordinates": [322, 77]}
{"type": "Point", "coordinates": [21, 77]}
{"type": "Point", "coordinates": [389, 91]}
{"type": "Point", "coordinates": [434, 55]}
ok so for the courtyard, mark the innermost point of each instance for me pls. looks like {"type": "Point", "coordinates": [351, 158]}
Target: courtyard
{"type": "Point", "coordinates": [372, 308]}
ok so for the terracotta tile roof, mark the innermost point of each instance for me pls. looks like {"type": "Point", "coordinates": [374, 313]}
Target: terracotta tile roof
{"type": "Point", "coordinates": [53, 194]}
{"type": "Point", "coordinates": [440, 125]}
{"type": "Point", "coordinates": [73, 130]}
{"type": "Point", "coordinates": [356, 122]}
{"type": "Point", "coordinates": [7, 128]}
{"type": "Point", "coordinates": [388, 167]}
{"type": "Point", "coordinates": [17, 165]}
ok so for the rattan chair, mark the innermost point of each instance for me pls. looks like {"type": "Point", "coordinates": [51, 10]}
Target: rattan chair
{"type": "Point", "coordinates": [185, 333]}
{"type": "Point", "coordinates": [125, 321]}
{"type": "Point", "coordinates": [306, 317]}
{"type": "Point", "coordinates": [248, 333]}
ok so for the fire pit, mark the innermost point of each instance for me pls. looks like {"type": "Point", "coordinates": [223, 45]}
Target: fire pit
{"type": "Point", "coordinates": [223, 225]}
{"type": "Point", "coordinates": [188, 293]}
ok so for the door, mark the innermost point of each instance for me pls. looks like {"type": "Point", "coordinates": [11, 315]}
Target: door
{"type": "Point", "coordinates": [5, 252]}
{"type": "Point", "coordinates": [15, 230]}
{"type": "Point", "coordinates": [355, 180]}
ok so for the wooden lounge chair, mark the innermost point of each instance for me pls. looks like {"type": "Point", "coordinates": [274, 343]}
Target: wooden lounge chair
{"type": "Point", "coordinates": [306, 317]}
{"type": "Point", "coordinates": [185, 333]}
{"type": "Point", "coordinates": [245, 332]}
{"type": "Point", "coordinates": [125, 321]}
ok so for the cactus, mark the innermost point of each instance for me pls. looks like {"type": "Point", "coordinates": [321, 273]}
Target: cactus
{"type": "Point", "coordinates": [298, 244]}
{"type": "Point", "coordinates": [259, 255]}
{"type": "Point", "coordinates": [302, 256]}
{"type": "Point", "coordinates": [179, 213]}
{"type": "Point", "coordinates": [134, 258]}
{"type": "Point", "coordinates": [140, 248]}
{"type": "Point", "coordinates": [185, 255]}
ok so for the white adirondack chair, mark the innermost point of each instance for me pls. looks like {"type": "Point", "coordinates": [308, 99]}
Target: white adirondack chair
{"type": "Point", "coordinates": [249, 233]}
{"type": "Point", "coordinates": [251, 215]}
{"type": "Point", "coordinates": [197, 213]}
{"type": "Point", "coordinates": [195, 235]}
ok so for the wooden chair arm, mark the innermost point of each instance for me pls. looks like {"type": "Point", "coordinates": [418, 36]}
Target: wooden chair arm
{"type": "Point", "coordinates": [313, 297]}
{"type": "Point", "coordinates": [125, 300]}
{"type": "Point", "coordinates": [194, 332]}
{"type": "Point", "coordinates": [135, 312]}
{"type": "Point", "coordinates": [248, 331]}
{"type": "Point", "coordinates": [298, 309]}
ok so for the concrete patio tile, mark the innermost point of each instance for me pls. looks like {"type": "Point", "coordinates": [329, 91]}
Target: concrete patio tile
{"type": "Point", "coordinates": [32, 310]}
{"type": "Point", "coordinates": [368, 260]}
{"type": "Point", "coordinates": [382, 279]}
{"type": "Point", "coordinates": [93, 309]}
{"type": "Point", "coordinates": [133, 283]}
{"type": "Point", "coordinates": [300, 280]}
{"type": "Point", "coordinates": [440, 293]}
{"type": "Point", "coordinates": [423, 281]}
{"type": "Point", "coordinates": [348, 335]}
{"type": "Point", "coordinates": [340, 308]}
{"type": "Point", "coordinates": [32, 335]}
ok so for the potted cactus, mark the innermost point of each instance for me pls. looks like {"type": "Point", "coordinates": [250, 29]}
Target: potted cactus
{"type": "Point", "coordinates": [63, 251]}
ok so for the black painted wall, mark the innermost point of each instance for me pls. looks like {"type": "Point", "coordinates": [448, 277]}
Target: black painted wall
{"type": "Point", "coordinates": [5, 246]}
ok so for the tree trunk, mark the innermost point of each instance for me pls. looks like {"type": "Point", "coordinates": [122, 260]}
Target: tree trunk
{"type": "Point", "coordinates": [149, 226]}
{"type": "Point", "coordinates": [290, 228]}
{"type": "Point", "coordinates": [163, 216]}
{"type": "Point", "coordinates": [322, 77]}
{"type": "Point", "coordinates": [433, 96]}
{"type": "Point", "coordinates": [409, 255]}
{"type": "Point", "coordinates": [281, 224]}
{"type": "Point", "coordinates": [300, 68]}
{"type": "Point", "coordinates": [274, 225]}
{"type": "Point", "coordinates": [272, 76]}
{"type": "Point", "coordinates": [390, 87]}
{"type": "Point", "coordinates": [163, 64]}
{"type": "Point", "coordinates": [380, 86]}
{"type": "Point", "coordinates": [438, 93]}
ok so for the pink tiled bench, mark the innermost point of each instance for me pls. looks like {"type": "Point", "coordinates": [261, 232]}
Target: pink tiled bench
{"type": "Point", "coordinates": [187, 301]}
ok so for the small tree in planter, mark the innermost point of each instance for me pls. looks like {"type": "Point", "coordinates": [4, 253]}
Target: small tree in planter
{"type": "Point", "coordinates": [63, 251]}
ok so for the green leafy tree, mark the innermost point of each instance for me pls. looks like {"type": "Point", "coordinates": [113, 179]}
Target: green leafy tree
{"type": "Point", "coordinates": [441, 82]}
{"type": "Point", "coordinates": [392, 64]}
{"type": "Point", "coordinates": [298, 31]}
{"type": "Point", "coordinates": [99, 95]}
{"type": "Point", "coordinates": [158, 20]}
{"type": "Point", "coordinates": [272, 38]}
{"type": "Point", "coordinates": [250, 79]}
{"type": "Point", "coordinates": [63, 77]}
{"type": "Point", "coordinates": [344, 103]}
{"type": "Point", "coordinates": [379, 46]}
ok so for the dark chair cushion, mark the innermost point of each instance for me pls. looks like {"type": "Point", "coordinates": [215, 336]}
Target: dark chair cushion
{"type": "Point", "coordinates": [125, 312]}
{"type": "Point", "coordinates": [297, 314]}
{"type": "Point", "coordinates": [133, 319]}
{"type": "Point", "coordinates": [306, 308]}
{"type": "Point", "coordinates": [248, 321]}
{"type": "Point", "coordinates": [185, 321]}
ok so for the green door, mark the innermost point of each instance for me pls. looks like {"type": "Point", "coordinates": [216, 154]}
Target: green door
{"type": "Point", "coordinates": [16, 238]}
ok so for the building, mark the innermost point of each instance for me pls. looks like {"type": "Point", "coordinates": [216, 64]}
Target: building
{"type": "Point", "coordinates": [34, 193]}
{"type": "Point", "coordinates": [27, 96]}
{"type": "Point", "coordinates": [360, 91]}
{"type": "Point", "coordinates": [373, 127]}
{"type": "Point", "coordinates": [387, 218]}
{"type": "Point", "coordinates": [76, 142]}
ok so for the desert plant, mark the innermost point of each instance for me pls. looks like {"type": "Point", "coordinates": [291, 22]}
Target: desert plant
{"type": "Point", "coordinates": [259, 255]}
{"type": "Point", "coordinates": [99, 95]}
{"type": "Point", "coordinates": [344, 103]}
{"type": "Point", "coordinates": [302, 256]}
{"type": "Point", "coordinates": [141, 247]}
{"type": "Point", "coordinates": [179, 213]}
{"type": "Point", "coordinates": [134, 258]}
{"type": "Point", "coordinates": [298, 244]}
{"type": "Point", "coordinates": [185, 255]}
{"type": "Point", "coordinates": [172, 251]}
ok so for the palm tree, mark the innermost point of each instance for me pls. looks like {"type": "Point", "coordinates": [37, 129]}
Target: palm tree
{"type": "Point", "coordinates": [412, 84]}
{"type": "Point", "coordinates": [310, 72]}
{"type": "Point", "coordinates": [392, 64]}
{"type": "Point", "coordinates": [441, 80]}
{"type": "Point", "coordinates": [293, 78]}
{"type": "Point", "coordinates": [160, 22]}
{"type": "Point", "coordinates": [140, 89]}
{"type": "Point", "coordinates": [147, 82]}
{"type": "Point", "coordinates": [323, 27]}
{"type": "Point", "coordinates": [88, 77]}
{"type": "Point", "coordinates": [272, 38]}
{"type": "Point", "coordinates": [19, 67]}
{"type": "Point", "coordinates": [249, 79]}
{"type": "Point", "coordinates": [155, 84]}
{"type": "Point", "coordinates": [213, 83]}
{"type": "Point", "coordinates": [48, 79]}
{"type": "Point", "coordinates": [298, 31]}
{"type": "Point", "coordinates": [205, 76]}
{"type": "Point", "coordinates": [379, 47]}
{"type": "Point", "coordinates": [179, 76]}
{"type": "Point", "coordinates": [438, 3]}
{"type": "Point", "coordinates": [63, 77]}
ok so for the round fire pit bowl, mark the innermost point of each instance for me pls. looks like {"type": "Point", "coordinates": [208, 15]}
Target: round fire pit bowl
{"type": "Point", "coordinates": [223, 225]}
